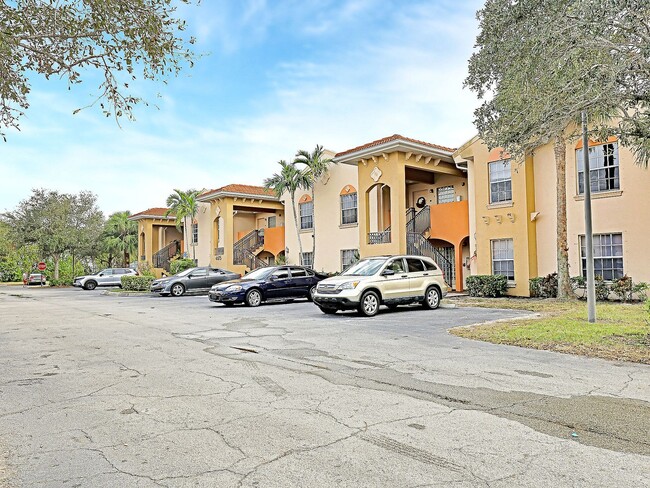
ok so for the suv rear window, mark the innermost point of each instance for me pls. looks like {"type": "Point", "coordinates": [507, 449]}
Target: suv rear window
{"type": "Point", "coordinates": [414, 265]}
{"type": "Point", "coordinates": [429, 266]}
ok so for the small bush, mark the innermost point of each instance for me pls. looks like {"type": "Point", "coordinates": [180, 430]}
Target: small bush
{"type": "Point", "coordinates": [487, 285]}
{"type": "Point", "coordinates": [181, 265]}
{"type": "Point", "coordinates": [544, 286]}
{"type": "Point", "coordinates": [145, 269]}
{"type": "Point", "coordinates": [59, 282]}
{"type": "Point", "coordinates": [602, 289]}
{"type": "Point", "coordinates": [627, 291]}
{"type": "Point", "coordinates": [136, 283]}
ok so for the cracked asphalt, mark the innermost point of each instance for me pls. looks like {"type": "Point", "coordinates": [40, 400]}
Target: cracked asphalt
{"type": "Point", "coordinates": [109, 391]}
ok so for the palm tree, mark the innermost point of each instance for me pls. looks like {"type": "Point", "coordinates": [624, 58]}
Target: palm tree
{"type": "Point", "coordinates": [121, 236]}
{"type": "Point", "coordinates": [288, 180]}
{"type": "Point", "coordinates": [184, 205]}
{"type": "Point", "coordinates": [315, 166]}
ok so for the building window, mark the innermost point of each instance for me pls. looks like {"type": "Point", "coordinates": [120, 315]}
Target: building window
{"type": "Point", "coordinates": [603, 168]}
{"type": "Point", "coordinates": [195, 233]}
{"type": "Point", "coordinates": [348, 258]}
{"type": "Point", "coordinates": [307, 215]}
{"type": "Point", "coordinates": [271, 222]}
{"type": "Point", "coordinates": [500, 181]}
{"type": "Point", "coordinates": [307, 259]}
{"type": "Point", "coordinates": [349, 208]}
{"type": "Point", "coordinates": [608, 256]}
{"type": "Point", "coordinates": [446, 194]}
{"type": "Point", "coordinates": [503, 258]}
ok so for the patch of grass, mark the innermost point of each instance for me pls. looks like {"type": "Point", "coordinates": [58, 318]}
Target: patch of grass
{"type": "Point", "coordinates": [622, 331]}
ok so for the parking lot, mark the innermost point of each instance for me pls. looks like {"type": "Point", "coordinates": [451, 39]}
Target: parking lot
{"type": "Point", "coordinates": [101, 390]}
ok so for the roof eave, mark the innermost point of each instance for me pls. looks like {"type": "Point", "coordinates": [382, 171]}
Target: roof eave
{"type": "Point", "coordinates": [145, 216]}
{"type": "Point", "coordinates": [213, 196]}
{"type": "Point", "coordinates": [398, 145]}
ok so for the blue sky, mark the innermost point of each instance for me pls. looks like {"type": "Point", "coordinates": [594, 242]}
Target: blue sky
{"type": "Point", "coordinates": [277, 76]}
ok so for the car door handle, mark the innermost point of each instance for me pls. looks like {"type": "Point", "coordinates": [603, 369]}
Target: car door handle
{"type": "Point", "coordinates": [404, 276]}
{"type": "Point", "coordinates": [425, 274]}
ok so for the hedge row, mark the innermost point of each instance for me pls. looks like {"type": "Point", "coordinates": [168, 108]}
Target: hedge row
{"type": "Point", "coordinates": [179, 265]}
{"type": "Point", "coordinates": [486, 285]}
{"type": "Point", "coordinates": [136, 283]}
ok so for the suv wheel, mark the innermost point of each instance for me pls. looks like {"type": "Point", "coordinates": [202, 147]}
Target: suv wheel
{"type": "Point", "coordinates": [177, 290]}
{"type": "Point", "coordinates": [432, 298]}
{"type": "Point", "coordinates": [369, 304]}
{"type": "Point", "coordinates": [253, 298]}
{"type": "Point", "coordinates": [90, 285]}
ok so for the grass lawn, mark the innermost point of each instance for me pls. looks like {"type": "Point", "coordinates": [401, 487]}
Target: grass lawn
{"type": "Point", "coordinates": [622, 331]}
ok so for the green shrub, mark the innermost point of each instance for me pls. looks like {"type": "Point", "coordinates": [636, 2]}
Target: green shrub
{"type": "Point", "coordinates": [487, 285]}
{"type": "Point", "coordinates": [145, 269]}
{"type": "Point", "coordinates": [136, 283]}
{"type": "Point", "coordinates": [544, 286]}
{"type": "Point", "coordinates": [627, 291]}
{"type": "Point", "coordinates": [602, 289]}
{"type": "Point", "coordinates": [58, 282]}
{"type": "Point", "coordinates": [181, 265]}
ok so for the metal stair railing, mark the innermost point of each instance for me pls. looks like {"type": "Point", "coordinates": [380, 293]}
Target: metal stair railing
{"type": "Point", "coordinates": [250, 241]}
{"type": "Point", "coordinates": [162, 258]}
{"type": "Point", "coordinates": [418, 245]}
{"type": "Point", "coordinates": [418, 222]}
{"type": "Point", "coordinates": [252, 261]}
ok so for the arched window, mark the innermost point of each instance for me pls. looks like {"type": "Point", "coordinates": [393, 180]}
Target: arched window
{"type": "Point", "coordinates": [349, 205]}
{"type": "Point", "coordinates": [306, 206]}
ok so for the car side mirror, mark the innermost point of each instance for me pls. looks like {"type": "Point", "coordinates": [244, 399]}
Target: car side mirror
{"type": "Point", "coordinates": [272, 278]}
{"type": "Point", "coordinates": [101, 274]}
{"type": "Point", "coordinates": [388, 272]}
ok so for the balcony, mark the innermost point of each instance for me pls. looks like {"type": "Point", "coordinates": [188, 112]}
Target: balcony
{"type": "Point", "coordinates": [450, 221]}
{"type": "Point", "coordinates": [379, 237]}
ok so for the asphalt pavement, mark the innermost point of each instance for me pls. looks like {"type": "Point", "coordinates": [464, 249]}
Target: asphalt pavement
{"type": "Point", "coordinates": [99, 390]}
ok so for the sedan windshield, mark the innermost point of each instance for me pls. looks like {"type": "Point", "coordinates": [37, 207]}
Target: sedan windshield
{"type": "Point", "coordinates": [367, 267]}
{"type": "Point", "coordinates": [258, 274]}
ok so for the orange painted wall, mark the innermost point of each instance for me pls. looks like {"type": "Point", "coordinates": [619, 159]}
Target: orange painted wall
{"type": "Point", "coordinates": [450, 221]}
{"type": "Point", "coordinates": [274, 240]}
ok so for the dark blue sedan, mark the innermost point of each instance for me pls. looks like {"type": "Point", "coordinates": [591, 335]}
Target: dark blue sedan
{"type": "Point", "coordinates": [275, 283]}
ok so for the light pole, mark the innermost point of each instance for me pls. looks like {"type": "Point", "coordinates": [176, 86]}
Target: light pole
{"type": "Point", "coordinates": [589, 237]}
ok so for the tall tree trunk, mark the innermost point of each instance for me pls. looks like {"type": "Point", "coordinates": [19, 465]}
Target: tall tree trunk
{"type": "Point", "coordinates": [56, 258]}
{"type": "Point", "coordinates": [194, 244]}
{"type": "Point", "coordinates": [313, 226]}
{"type": "Point", "coordinates": [295, 221]}
{"type": "Point", "coordinates": [563, 277]}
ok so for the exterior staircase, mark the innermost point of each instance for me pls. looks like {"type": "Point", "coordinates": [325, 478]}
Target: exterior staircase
{"type": "Point", "coordinates": [162, 259]}
{"type": "Point", "coordinates": [245, 250]}
{"type": "Point", "coordinates": [418, 225]}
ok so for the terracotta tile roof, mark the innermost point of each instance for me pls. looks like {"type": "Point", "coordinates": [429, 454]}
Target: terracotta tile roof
{"type": "Point", "coordinates": [394, 137]}
{"type": "Point", "coordinates": [242, 189]}
{"type": "Point", "coordinates": [155, 211]}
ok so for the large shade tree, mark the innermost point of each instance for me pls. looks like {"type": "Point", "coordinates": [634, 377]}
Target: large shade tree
{"type": "Point", "coordinates": [184, 206]}
{"type": "Point", "coordinates": [539, 65]}
{"type": "Point", "coordinates": [57, 224]}
{"type": "Point", "coordinates": [288, 180]}
{"type": "Point", "coordinates": [315, 165]}
{"type": "Point", "coordinates": [114, 41]}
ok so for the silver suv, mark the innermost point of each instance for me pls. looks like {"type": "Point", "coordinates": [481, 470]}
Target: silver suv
{"type": "Point", "coordinates": [106, 277]}
{"type": "Point", "coordinates": [387, 280]}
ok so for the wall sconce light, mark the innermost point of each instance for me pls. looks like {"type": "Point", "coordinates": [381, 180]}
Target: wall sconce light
{"type": "Point", "coordinates": [486, 220]}
{"type": "Point", "coordinates": [533, 216]}
{"type": "Point", "coordinates": [498, 218]}
{"type": "Point", "coordinates": [511, 217]}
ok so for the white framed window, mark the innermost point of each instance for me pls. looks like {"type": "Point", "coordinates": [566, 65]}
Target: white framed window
{"type": "Point", "coordinates": [608, 256]}
{"type": "Point", "coordinates": [603, 168]}
{"type": "Point", "coordinates": [307, 259]}
{"type": "Point", "coordinates": [503, 258]}
{"type": "Point", "coordinates": [348, 258]}
{"type": "Point", "coordinates": [307, 215]}
{"type": "Point", "coordinates": [195, 233]}
{"type": "Point", "coordinates": [446, 194]}
{"type": "Point", "coordinates": [349, 208]}
{"type": "Point", "coordinates": [271, 222]}
{"type": "Point", "coordinates": [500, 181]}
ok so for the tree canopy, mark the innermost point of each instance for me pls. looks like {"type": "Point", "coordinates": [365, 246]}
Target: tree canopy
{"type": "Point", "coordinates": [120, 40]}
{"type": "Point", "coordinates": [56, 223]}
{"type": "Point", "coordinates": [538, 65]}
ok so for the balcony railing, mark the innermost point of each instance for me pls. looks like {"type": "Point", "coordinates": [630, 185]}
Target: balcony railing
{"type": "Point", "coordinates": [379, 237]}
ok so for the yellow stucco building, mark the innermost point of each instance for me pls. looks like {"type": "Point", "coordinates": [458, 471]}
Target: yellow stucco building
{"type": "Point", "coordinates": [513, 212]}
